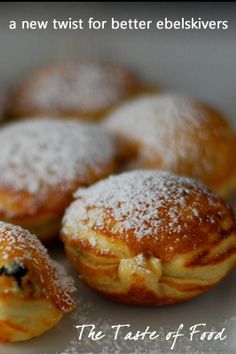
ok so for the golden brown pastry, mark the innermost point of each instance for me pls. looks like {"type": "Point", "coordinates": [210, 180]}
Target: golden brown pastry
{"type": "Point", "coordinates": [150, 237]}
{"type": "Point", "coordinates": [34, 290]}
{"type": "Point", "coordinates": [177, 134]}
{"type": "Point", "coordinates": [85, 90]}
{"type": "Point", "coordinates": [42, 162]}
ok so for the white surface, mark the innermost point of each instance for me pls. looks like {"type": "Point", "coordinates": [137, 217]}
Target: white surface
{"type": "Point", "coordinates": [199, 63]}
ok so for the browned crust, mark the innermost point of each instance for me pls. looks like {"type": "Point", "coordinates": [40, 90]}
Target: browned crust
{"type": "Point", "coordinates": [42, 214]}
{"type": "Point", "coordinates": [6, 336]}
{"type": "Point", "coordinates": [137, 295]}
{"type": "Point", "coordinates": [197, 234]}
{"type": "Point", "coordinates": [204, 258]}
{"type": "Point", "coordinates": [217, 145]}
{"type": "Point", "coordinates": [138, 292]}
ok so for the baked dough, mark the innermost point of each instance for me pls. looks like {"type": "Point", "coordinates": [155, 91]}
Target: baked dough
{"type": "Point", "coordinates": [42, 162]}
{"type": "Point", "coordinates": [150, 237]}
{"type": "Point", "coordinates": [34, 290]}
{"type": "Point", "coordinates": [176, 134]}
{"type": "Point", "coordinates": [85, 90]}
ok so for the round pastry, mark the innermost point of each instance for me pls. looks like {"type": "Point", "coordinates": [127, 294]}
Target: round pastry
{"type": "Point", "coordinates": [85, 90]}
{"type": "Point", "coordinates": [177, 134]}
{"type": "Point", "coordinates": [34, 290]}
{"type": "Point", "coordinates": [42, 162]}
{"type": "Point", "coordinates": [150, 237]}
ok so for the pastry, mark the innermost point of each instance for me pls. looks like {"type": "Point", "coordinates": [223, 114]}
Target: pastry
{"type": "Point", "coordinates": [34, 290]}
{"type": "Point", "coordinates": [42, 162]}
{"type": "Point", "coordinates": [179, 135]}
{"type": "Point", "coordinates": [85, 90]}
{"type": "Point", "coordinates": [150, 237]}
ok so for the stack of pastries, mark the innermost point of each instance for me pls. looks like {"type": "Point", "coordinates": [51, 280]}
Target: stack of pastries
{"type": "Point", "coordinates": [132, 180]}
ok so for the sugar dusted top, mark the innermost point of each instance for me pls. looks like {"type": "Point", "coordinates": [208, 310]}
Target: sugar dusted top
{"type": "Point", "coordinates": [41, 153]}
{"type": "Point", "coordinates": [173, 127]}
{"type": "Point", "coordinates": [164, 112]}
{"type": "Point", "coordinates": [177, 134]}
{"type": "Point", "coordinates": [150, 209]}
{"type": "Point", "coordinates": [19, 245]}
{"type": "Point", "coordinates": [82, 86]}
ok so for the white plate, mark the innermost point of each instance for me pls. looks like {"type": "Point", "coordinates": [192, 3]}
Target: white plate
{"type": "Point", "coordinates": [201, 63]}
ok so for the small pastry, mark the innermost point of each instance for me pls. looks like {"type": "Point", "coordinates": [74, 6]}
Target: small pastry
{"type": "Point", "coordinates": [34, 290]}
{"type": "Point", "coordinates": [179, 135]}
{"type": "Point", "coordinates": [85, 90]}
{"type": "Point", "coordinates": [42, 162]}
{"type": "Point", "coordinates": [150, 237]}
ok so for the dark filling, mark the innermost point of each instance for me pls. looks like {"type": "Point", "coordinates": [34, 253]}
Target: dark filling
{"type": "Point", "coordinates": [16, 270]}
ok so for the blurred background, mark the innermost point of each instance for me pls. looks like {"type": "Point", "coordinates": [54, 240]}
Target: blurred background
{"type": "Point", "coordinates": [200, 63]}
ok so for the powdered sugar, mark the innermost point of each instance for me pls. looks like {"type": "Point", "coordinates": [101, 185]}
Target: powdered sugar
{"type": "Point", "coordinates": [82, 86]}
{"type": "Point", "coordinates": [12, 237]}
{"type": "Point", "coordinates": [103, 314]}
{"type": "Point", "coordinates": [19, 245]}
{"type": "Point", "coordinates": [61, 277]}
{"type": "Point", "coordinates": [36, 154]}
{"type": "Point", "coordinates": [163, 124]}
{"type": "Point", "coordinates": [147, 202]}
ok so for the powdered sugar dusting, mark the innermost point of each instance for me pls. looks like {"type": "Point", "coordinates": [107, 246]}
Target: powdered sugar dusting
{"type": "Point", "coordinates": [62, 278]}
{"type": "Point", "coordinates": [163, 124]}
{"type": "Point", "coordinates": [36, 154]}
{"type": "Point", "coordinates": [14, 238]}
{"type": "Point", "coordinates": [146, 202]}
{"type": "Point", "coordinates": [78, 86]}
{"type": "Point", "coordinates": [19, 245]}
